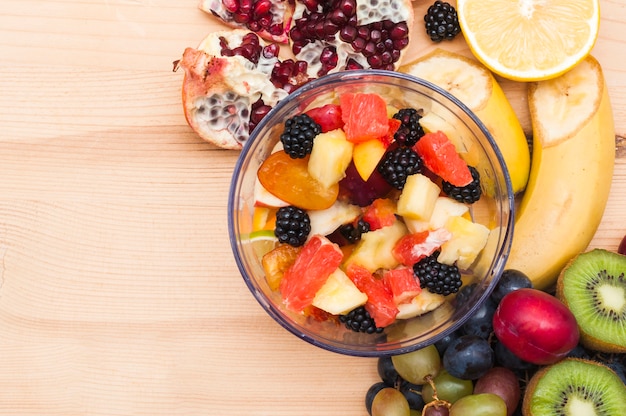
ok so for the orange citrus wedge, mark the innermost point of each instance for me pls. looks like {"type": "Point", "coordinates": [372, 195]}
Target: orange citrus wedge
{"type": "Point", "coordinates": [529, 40]}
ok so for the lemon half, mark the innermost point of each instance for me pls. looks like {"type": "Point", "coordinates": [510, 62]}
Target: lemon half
{"type": "Point", "coordinates": [529, 40]}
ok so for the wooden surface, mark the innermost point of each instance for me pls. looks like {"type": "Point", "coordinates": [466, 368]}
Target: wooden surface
{"type": "Point", "coordinates": [118, 291]}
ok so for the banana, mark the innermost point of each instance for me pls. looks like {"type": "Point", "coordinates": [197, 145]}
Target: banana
{"type": "Point", "coordinates": [475, 86]}
{"type": "Point", "coordinates": [571, 172]}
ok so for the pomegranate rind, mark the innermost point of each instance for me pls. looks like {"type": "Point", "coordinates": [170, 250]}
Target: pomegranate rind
{"type": "Point", "coordinates": [218, 91]}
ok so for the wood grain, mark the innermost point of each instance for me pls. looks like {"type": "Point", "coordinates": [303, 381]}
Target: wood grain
{"type": "Point", "coordinates": [118, 291]}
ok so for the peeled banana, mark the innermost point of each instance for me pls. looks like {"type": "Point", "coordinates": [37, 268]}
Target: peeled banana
{"type": "Point", "coordinates": [571, 172]}
{"type": "Point", "coordinates": [475, 86]}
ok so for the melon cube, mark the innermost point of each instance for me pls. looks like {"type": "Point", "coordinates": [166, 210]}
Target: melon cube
{"type": "Point", "coordinates": [330, 157]}
{"type": "Point", "coordinates": [420, 304]}
{"type": "Point", "coordinates": [418, 198]}
{"type": "Point", "coordinates": [468, 240]}
{"type": "Point", "coordinates": [339, 295]}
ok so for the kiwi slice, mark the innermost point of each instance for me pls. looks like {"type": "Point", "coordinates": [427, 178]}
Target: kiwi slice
{"type": "Point", "coordinates": [593, 287]}
{"type": "Point", "coordinates": [573, 387]}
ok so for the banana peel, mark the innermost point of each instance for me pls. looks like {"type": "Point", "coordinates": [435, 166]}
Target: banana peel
{"type": "Point", "coordinates": [571, 172]}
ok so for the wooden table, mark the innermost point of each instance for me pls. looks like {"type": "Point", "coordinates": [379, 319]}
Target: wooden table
{"type": "Point", "coordinates": [118, 291]}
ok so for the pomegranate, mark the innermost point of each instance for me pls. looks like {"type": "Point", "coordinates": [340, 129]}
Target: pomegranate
{"type": "Point", "coordinates": [266, 18]}
{"type": "Point", "coordinates": [232, 79]}
{"type": "Point", "coordinates": [335, 35]}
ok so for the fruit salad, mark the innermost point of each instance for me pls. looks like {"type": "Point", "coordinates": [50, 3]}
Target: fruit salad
{"type": "Point", "coordinates": [368, 210]}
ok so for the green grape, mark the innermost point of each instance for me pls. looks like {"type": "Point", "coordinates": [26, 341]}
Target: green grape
{"type": "Point", "coordinates": [416, 365]}
{"type": "Point", "coordinates": [449, 388]}
{"type": "Point", "coordinates": [484, 404]}
{"type": "Point", "coordinates": [390, 402]}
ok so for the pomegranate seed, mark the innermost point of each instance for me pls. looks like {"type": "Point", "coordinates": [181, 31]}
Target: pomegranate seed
{"type": "Point", "coordinates": [231, 5]}
{"type": "Point", "coordinates": [337, 17]}
{"type": "Point", "coordinates": [375, 35]}
{"type": "Point", "coordinates": [262, 7]}
{"type": "Point", "coordinates": [400, 31]}
{"type": "Point", "coordinates": [395, 55]}
{"type": "Point", "coordinates": [348, 7]}
{"type": "Point", "coordinates": [254, 25]}
{"type": "Point", "coordinates": [400, 44]}
{"type": "Point", "coordinates": [375, 61]}
{"type": "Point", "coordinates": [359, 44]}
{"type": "Point", "coordinates": [310, 4]}
{"type": "Point", "coordinates": [301, 67]}
{"type": "Point", "coordinates": [276, 29]}
{"type": "Point", "coordinates": [271, 51]}
{"type": "Point", "coordinates": [265, 21]}
{"type": "Point", "coordinates": [386, 58]}
{"type": "Point", "coordinates": [369, 49]}
{"type": "Point", "coordinates": [352, 64]}
{"type": "Point", "coordinates": [363, 32]}
{"type": "Point", "coordinates": [348, 34]}
{"type": "Point", "coordinates": [245, 6]}
{"type": "Point", "coordinates": [329, 56]}
{"type": "Point", "coordinates": [240, 18]}
{"type": "Point", "coordinates": [295, 34]}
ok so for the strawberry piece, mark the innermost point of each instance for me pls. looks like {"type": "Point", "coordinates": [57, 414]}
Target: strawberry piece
{"type": "Point", "coordinates": [317, 260]}
{"type": "Point", "coordinates": [440, 156]}
{"type": "Point", "coordinates": [402, 284]}
{"type": "Point", "coordinates": [327, 116]}
{"type": "Point", "coordinates": [380, 303]}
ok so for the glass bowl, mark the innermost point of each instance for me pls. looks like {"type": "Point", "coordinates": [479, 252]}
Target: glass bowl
{"type": "Point", "coordinates": [494, 210]}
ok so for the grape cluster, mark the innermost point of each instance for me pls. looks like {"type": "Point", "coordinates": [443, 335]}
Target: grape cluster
{"type": "Point", "coordinates": [468, 371]}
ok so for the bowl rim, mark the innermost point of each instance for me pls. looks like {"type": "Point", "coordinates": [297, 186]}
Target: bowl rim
{"type": "Point", "coordinates": [354, 76]}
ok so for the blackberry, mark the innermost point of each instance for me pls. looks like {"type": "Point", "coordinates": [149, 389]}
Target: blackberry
{"type": "Point", "coordinates": [298, 135]}
{"type": "Point", "coordinates": [293, 225]}
{"type": "Point", "coordinates": [398, 164]}
{"type": "Point", "coordinates": [352, 232]}
{"type": "Point", "coordinates": [410, 131]}
{"type": "Point", "coordinates": [441, 21]}
{"type": "Point", "coordinates": [469, 193]}
{"type": "Point", "coordinates": [437, 277]}
{"type": "Point", "coordinates": [359, 320]}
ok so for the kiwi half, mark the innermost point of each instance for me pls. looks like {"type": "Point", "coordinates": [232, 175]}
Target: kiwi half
{"type": "Point", "coordinates": [593, 287]}
{"type": "Point", "coordinates": [573, 387]}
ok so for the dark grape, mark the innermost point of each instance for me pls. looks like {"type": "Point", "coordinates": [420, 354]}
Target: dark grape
{"type": "Point", "coordinates": [371, 393]}
{"type": "Point", "coordinates": [412, 393]}
{"type": "Point", "coordinates": [387, 371]}
{"type": "Point", "coordinates": [481, 322]}
{"type": "Point", "coordinates": [464, 294]}
{"type": "Point", "coordinates": [506, 358]}
{"type": "Point", "coordinates": [443, 343]}
{"type": "Point", "coordinates": [579, 352]}
{"type": "Point", "coordinates": [468, 357]}
{"type": "Point", "coordinates": [510, 280]}
{"type": "Point", "coordinates": [622, 246]}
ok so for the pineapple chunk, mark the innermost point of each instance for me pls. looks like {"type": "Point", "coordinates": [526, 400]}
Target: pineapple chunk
{"type": "Point", "coordinates": [468, 239]}
{"type": "Point", "coordinates": [330, 157]}
{"type": "Point", "coordinates": [339, 295]}
{"type": "Point", "coordinates": [324, 222]}
{"type": "Point", "coordinates": [374, 251]}
{"type": "Point", "coordinates": [419, 305]}
{"type": "Point", "coordinates": [418, 198]}
{"type": "Point", "coordinates": [445, 208]}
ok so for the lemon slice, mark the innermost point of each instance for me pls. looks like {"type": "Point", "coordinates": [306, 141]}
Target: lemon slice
{"type": "Point", "coordinates": [529, 40]}
{"type": "Point", "coordinates": [262, 241]}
